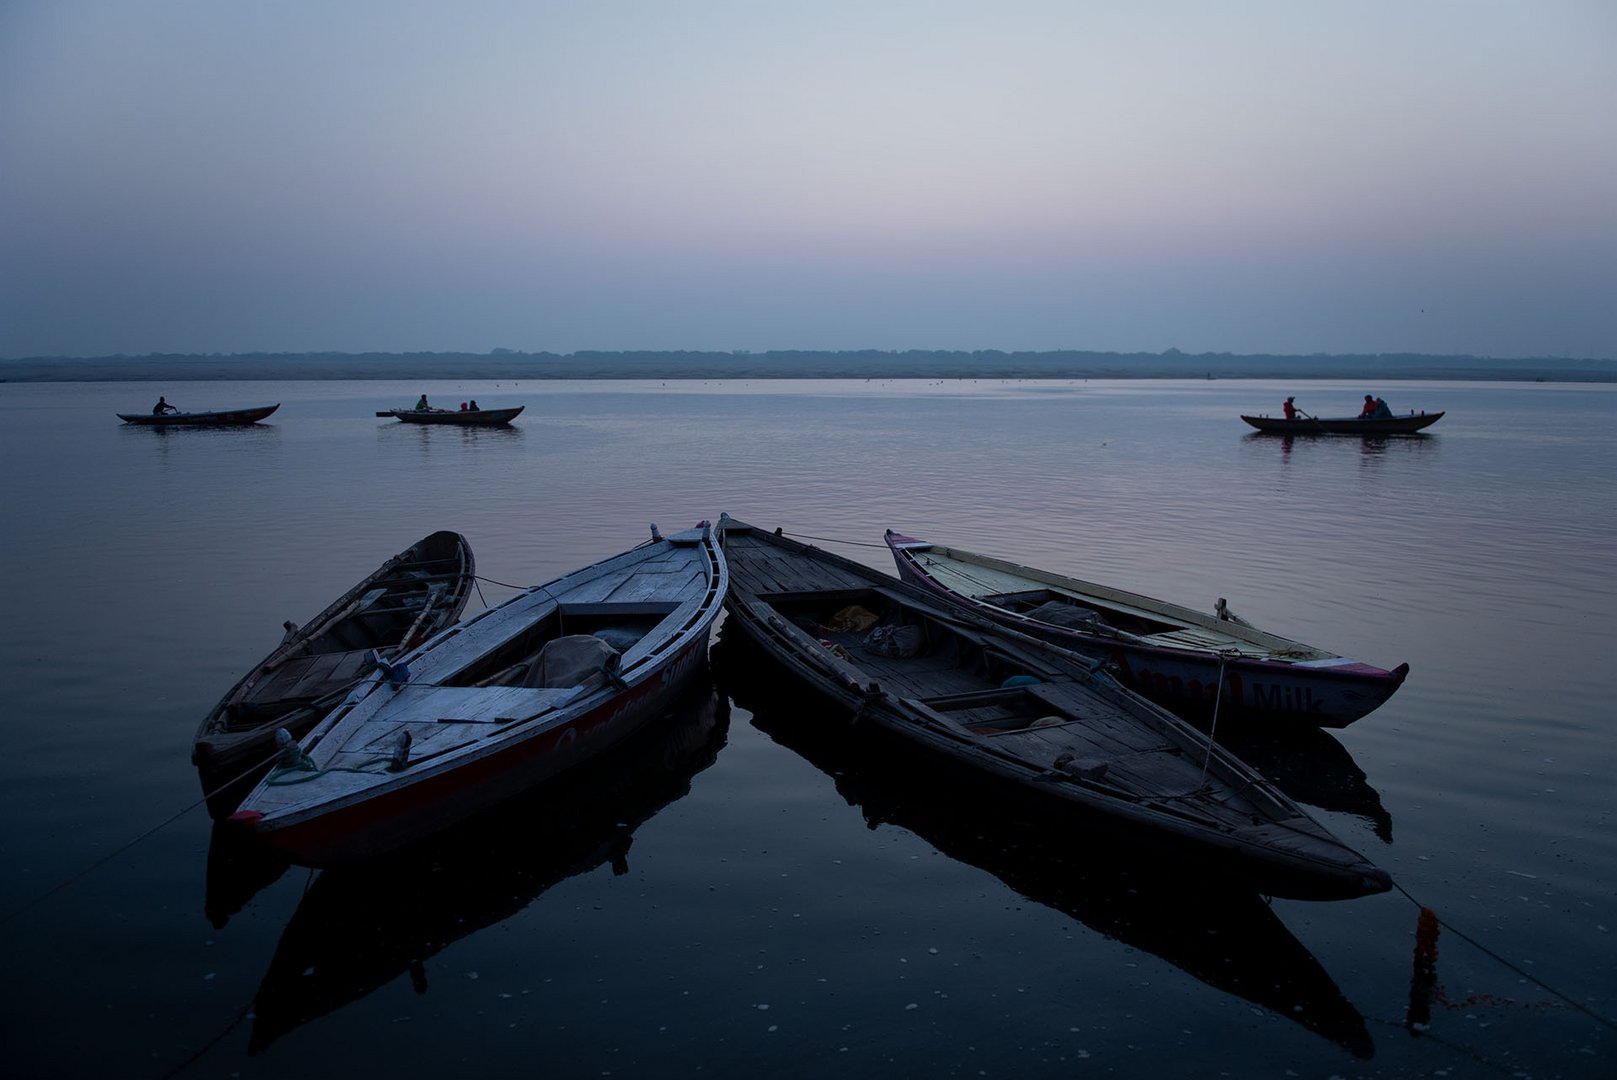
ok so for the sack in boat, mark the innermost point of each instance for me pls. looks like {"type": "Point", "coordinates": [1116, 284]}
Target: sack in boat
{"type": "Point", "coordinates": [569, 661]}
{"type": "Point", "coordinates": [898, 641]}
{"type": "Point", "coordinates": [1058, 613]}
{"type": "Point", "coordinates": [852, 619]}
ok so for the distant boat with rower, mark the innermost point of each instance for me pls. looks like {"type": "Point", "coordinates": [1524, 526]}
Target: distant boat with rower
{"type": "Point", "coordinates": [1374, 419]}
{"type": "Point", "coordinates": [468, 415]}
{"type": "Point", "coordinates": [215, 418]}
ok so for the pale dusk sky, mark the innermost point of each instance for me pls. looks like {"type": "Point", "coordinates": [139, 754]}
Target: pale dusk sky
{"type": "Point", "coordinates": [1283, 177]}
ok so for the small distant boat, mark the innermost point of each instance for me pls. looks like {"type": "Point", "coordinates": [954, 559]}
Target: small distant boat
{"type": "Point", "coordinates": [400, 604]}
{"type": "Point", "coordinates": [220, 418]}
{"type": "Point", "coordinates": [1042, 727]}
{"type": "Point", "coordinates": [1344, 425]}
{"type": "Point", "coordinates": [1182, 659]}
{"type": "Point", "coordinates": [458, 417]}
{"type": "Point", "coordinates": [491, 707]}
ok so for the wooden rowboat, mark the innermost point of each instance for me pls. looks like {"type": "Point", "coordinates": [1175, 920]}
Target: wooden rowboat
{"type": "Point", "coordinates": [1344, 425]}
{"type": "Point", "coordinates": [491, 707]}
{"type": "Point", "coordinates": [1041, 726]}
{"type": "Point", "coordinates": [1228, 937]}
{"type": "Point", "coordinates": [456, 417]}
{"type": "Point", "coordinates": [1182, 659]}
{"type": "Point", "coordinates": [397, 606]}
{"type": "Point", "coordinates": [221, 418]}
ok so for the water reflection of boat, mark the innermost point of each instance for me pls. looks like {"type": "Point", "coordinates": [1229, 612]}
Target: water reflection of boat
{"type": "Point", "coordinates": [1312, 767]}
{"type": "Point", "coordinates": [1223, 935]}
{"type": "Point", "coordinates": [238, 869]}
{"type": "Point", "coordinates": [360, 926]}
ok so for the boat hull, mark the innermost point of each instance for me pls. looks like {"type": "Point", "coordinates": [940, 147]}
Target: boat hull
{"type": "Point", "coordinates": [1344, 425]}
{"type": "Point", "coordinates": [457, 417]}
{"type": "Point", "coordinates": [375, 825]}
{"type": "Point", "coordinates": [1081, 747]}
{"type": "Point", "coordinates": [222, 418]}
{"type": "Point", "coordinates": [1330, 693]}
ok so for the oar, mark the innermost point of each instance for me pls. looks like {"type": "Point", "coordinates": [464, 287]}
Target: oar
{"type": "Point", "coordinates": [1315, 419]}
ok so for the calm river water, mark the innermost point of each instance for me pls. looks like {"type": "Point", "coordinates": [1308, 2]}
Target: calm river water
{"type": "Point", "coordinates": [738, 894]}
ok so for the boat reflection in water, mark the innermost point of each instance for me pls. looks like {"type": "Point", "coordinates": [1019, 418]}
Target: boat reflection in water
{"type": "Point", "coordinates": [362, 925]}
{"type": "Point", "coordinates": [238, 869]}
{"type": "Point", "coordinates": [1221, 933]}
{"type": "Point", "coordinates": [1311, 766]}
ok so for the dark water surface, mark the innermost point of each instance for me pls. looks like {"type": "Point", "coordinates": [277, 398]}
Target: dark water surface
{"type": "Point", "coordinates": [743, 892]}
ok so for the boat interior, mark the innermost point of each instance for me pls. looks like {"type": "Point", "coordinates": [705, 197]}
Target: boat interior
{"type": "Point", "coordinates": [525, 658]}
{"type": "Point", "coordinates": [333, 659]}
{"type": "Point", "coordinates": [1059, 609]}
{"type": "Point", "coordinates": [382, 615]}
{"type": "Point", "coordinates": [904, 649]}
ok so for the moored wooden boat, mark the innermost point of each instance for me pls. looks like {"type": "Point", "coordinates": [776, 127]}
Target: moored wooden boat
{"type": "Point", "coordinates": [400, 604]}
{"type": "Point", "coordinates": [1344, 425]}
{"type": "Point", "coordinates": [493, 706]}
{"type": "Point", "coordinates": [1043, 726]}
{"type": "Point", "coordinates": [1190, 662]}
{"type": "Point", "coordinates": [456, 417]}
{"type": "Point", "coordinates": [1228, 937]}
{"type": "Point", "coordinates": [218, 418]}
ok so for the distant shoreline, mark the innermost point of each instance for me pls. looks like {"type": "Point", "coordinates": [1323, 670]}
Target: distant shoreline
{"type": "Point", "coordinates": [793, 364]}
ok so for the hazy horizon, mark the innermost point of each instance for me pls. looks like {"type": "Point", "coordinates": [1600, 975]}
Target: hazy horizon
{"type": "Point", "coordinates": [211, 176]}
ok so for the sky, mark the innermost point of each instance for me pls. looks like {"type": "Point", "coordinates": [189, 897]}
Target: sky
{"type": "Point", "coordinates": [1250, 176]}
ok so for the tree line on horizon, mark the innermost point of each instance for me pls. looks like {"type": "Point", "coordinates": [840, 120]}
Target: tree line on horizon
{"type": "Point", "coordinates": [801, 363]}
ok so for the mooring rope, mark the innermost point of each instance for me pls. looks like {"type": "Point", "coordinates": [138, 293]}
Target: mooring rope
{"type": "Point", "coordinates": [98, 863]}
{"type": "Point", "coordinates": [1426, 952]}
{"type": "Point", "coordinates": [501, 584]}
{"type": "Point", "coordinates": [833, 540]}
{"type": "Point", "coordinates": [1218, 699]}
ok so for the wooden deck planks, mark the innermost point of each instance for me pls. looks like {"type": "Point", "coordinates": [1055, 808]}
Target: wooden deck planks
{"type": "Point", "coordinates": [311, 676]}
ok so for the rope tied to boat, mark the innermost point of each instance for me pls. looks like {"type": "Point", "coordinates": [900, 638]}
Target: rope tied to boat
{"type": "Point", "coordinates": [834, 540]}
{"type": "Point", "coordinates": [289, 755]}
{"type": "Point", "coordinates": [279, 777]}
{"type": "Point", "coordinates": [396, 672]}
{"type": "Point", "coordinates": [1424, 988]}
{"type": "Point", "coordinates": [1218, 699]}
